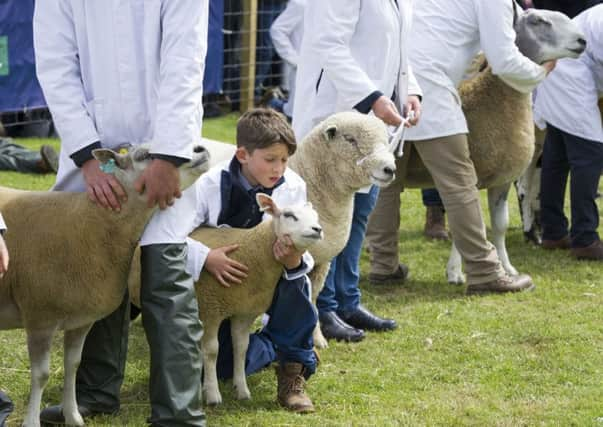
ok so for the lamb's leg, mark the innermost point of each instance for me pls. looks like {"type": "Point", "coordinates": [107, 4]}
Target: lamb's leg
{"type": "Point", "coordinates": [239, 329]}
{"type": "Point", "coordinates": [73, 343]}
{"type": "Point", "coordinates": [454, 268]}
{"type": "Point", "coordinates": [209, 348]}
{"type": "Point", "coordinates": [528, 194]}
{"type": "Point", "coordinates": [499, 217]}
{"type": "Point", "coordinates": [38, 346]}
{"type": "Point", "coordinates": [317, 278]}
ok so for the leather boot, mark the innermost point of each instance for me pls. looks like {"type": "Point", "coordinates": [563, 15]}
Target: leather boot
{"type": "Point", "coordinates": [594, 251]}
{"type": "Point", "coordinates": [435, 223]}
{"type": "Point", "coordinates": [291, 388]}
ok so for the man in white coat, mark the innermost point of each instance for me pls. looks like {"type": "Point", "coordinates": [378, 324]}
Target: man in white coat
{"type": "Point", "coordinates": [567, 103]}
{"type": "Point", "coordinates": [120, 73]}
{"type": "Point", "coordinates": [353, 56]}
{"type": "Point", "coordinates": [446, 36]}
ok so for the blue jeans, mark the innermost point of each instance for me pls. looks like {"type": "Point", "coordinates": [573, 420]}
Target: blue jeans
{"type": "Point", "coordinates": [563, 154]}
{"type": "Point", "coordinates": [287, 336]}
{"type": "Point", "coordinates": [341, 292]}
{"type": "Point", "coordinates": [431, 197]}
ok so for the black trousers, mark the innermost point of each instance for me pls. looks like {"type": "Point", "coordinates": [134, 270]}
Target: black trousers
{"type": "Point", "coordinates": [565, 154]}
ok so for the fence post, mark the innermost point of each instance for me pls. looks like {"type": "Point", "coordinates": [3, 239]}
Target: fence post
{"type": "Point", "coordinates": [248, 44]}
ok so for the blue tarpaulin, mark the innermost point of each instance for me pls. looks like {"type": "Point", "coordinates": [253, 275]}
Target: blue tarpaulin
{"type": "Point", "coordinates": [19, 87]}
{"type": "Point", "coordinates": [212, 80]}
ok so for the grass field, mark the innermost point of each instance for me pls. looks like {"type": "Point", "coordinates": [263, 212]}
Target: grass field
{"type": "Point", "coordinates": [514, 360]}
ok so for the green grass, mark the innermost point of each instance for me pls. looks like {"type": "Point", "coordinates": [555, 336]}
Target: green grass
{"type": "Point", "coordinates": [524, 359]}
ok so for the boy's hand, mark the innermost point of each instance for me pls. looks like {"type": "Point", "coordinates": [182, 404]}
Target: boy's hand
{"type": "Point", "coordinates": [226, 270]}
{"type": "Point", "coordinates": [286, 253]}
{"type": "Point", "coordinates": [3, 257]}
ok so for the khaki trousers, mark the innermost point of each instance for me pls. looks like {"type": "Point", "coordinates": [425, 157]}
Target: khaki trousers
{"type": "Point", "coordinates": [448, 161]}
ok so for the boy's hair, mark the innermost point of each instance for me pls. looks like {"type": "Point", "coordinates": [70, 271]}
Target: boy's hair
{"type": "Point", "coordinates": [262, 128]}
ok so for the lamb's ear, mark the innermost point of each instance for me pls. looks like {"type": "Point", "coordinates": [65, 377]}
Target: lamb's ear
{"type": "Point", "coordinates": [109, 159]}
{"type": "Point", "coordinates": [267, 204]}
{"type": "Point", "coordinates": [330, 132]}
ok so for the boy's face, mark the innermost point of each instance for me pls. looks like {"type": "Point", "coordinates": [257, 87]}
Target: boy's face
{"type": "Point", "coordinates": [264, 166]}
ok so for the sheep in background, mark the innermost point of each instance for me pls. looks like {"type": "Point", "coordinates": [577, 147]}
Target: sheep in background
{"type": "Point", "coordinates": [70, 264]}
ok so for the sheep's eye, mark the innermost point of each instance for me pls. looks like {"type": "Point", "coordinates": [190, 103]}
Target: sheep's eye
{"type": "Point", "coordinates": [290, 215]}
{"type": "Point", "coordinates": [351, 140]}
{"type": "Point", "coordinates": [140, 155]}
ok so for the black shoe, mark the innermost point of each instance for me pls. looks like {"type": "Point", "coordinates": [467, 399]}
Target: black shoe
{"type": "Point", "coordinates": [333, 327]}
{"type": "Point", "coordinates": [397, 277]}
{"type": "Point", "coordinates": [50, 159]}
{"type": "Point", "coordinates": [363, 319]}
{"type": "Point", "coordinates": [53, 415]}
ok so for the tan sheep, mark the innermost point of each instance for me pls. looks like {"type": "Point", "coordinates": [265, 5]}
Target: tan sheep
{"type": "Point", "coordinates": [69, 266]}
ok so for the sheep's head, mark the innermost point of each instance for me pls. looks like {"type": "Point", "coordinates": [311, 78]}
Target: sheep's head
{"type": "Point", "coordinates": [128, 166]}
{"type": "Point", "coordinates": [299, 222]}
{"type": "Point", "coordinates": [543, 35]}
{"type": "Point", "coordinates": [358, 144]}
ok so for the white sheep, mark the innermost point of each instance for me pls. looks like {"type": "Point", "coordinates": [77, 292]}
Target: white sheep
{"type": "Point", "coordinates": [69, 266]}
{"type": "Point", "coordinates": [501, 136]}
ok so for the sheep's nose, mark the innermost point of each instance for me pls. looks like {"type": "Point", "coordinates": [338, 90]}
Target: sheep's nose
{"type": "Point", "coordinates": [389, 171]}
{"type": "Point", "coordinates": [318, 230]}
{"type": "Point", "coordinates": [582, 42]}
{"type": "Point", "coordinates": [199, 149]}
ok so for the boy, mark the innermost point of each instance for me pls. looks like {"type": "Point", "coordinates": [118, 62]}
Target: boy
{"type": "Point", "coordinates": [226, 197]}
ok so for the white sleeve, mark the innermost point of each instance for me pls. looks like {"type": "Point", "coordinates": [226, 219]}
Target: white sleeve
{"type": "Point", "coordinates": [183, 48]}
{"type": "Point", "coordinates": [497, 38]}
{"type": "Point", "coordinates": [282, 29]}
{"type": "Point", "coordinates": [2, 223]}
{"type": "Point", "coordinates": [58, 70]}
{"type": "Point", "coordinates": [196, 257]}
{"type": "Point", "coordinates": [337, 21]}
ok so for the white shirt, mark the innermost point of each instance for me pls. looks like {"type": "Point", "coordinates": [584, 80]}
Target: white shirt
{"type": "Point", "coordinates": [445, 37]}
{"type": "Point", "coordinates": [286, 32]}
{"type": "Point", "coordinates": [350, 49]}
{"type": "Point", "coordinates": [209, 205]}
{"type": "Point", "coordinates": [568, 98]}
{"type": "Point", "coordinates": [121, 71]}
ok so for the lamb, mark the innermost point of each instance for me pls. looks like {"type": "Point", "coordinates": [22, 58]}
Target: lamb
{"type": "Point", "coordinates": [52, 283]}
{"type": "Point", "coordinates": [501, 136]}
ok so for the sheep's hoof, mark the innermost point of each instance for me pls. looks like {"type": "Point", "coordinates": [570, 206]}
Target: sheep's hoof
{"type": "Point", "coordinates": [455, 277]}
{"type": "Point", "coordinates": [213, 398]}
{"type": "Point", "coordinates": [320, 341]}
{"type": "Point", "coordinates": [511, 271]}
{"type": "Point", "coordinates": [74, 420]}
{"type": "Point", "coordinates": [242, 394]}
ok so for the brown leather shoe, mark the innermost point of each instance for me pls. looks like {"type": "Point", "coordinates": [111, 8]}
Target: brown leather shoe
{"type": "Point", "coordinates": [521, 282]}
{"type": "Point", "coordinates": [435, 223]}
{"type": "Point", "coordinates": [291, 388]}
{"type": "Point", "coordinates": [563, 243]}
{"type": "Point", "coordinates": [594, 251]}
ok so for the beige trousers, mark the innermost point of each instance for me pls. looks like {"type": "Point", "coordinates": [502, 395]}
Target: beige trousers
{"type": "Point", "coordinates": [448, 161]}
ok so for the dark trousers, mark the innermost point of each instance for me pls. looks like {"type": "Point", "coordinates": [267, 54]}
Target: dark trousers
{"type": "Point", "coordinates": [287, 336]}
{"type": "Point", "coordinates": [6, 407]}
{"type": "Point", "coordinates": [566, 154]}
{"type": "Point", "coordinates": [431, 197]}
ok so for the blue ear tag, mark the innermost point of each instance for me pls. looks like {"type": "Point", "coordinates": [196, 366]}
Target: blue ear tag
{"type": "Point", "coordinates": [108, 167]}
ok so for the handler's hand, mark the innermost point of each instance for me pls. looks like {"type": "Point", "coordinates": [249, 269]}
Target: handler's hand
{"type": "Point", "coordinates": [286, 253]}
{"type": "Point", "coordinates": [385, 109]}
{"type": "Point", "coordinates": [226, 270]}
{"type": "Point", "coordinates": [102, 188]}
{"type": "Point", "coordinates": [413, 103]}
{"type": "Point", "coordinates": [161, 181]}
{"type": "Point", "coordinates": [3, 257]}
{"type": "Point", "coordinates": [549, 65]}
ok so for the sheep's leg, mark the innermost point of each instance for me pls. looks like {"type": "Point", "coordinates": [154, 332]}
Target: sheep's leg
{"type": "Point", "coordinates": [499, 216]}
{"type": "Point", "coordinates": [209, 348]}
{"type": "Point", "coordinates": [38, 346]}
{"type": "Point", "coordinates": [528, 194]}
{"type": "Point", "coordinates": [239, 329]}
{"type": "Point", "coordinates": [73, 343]}
{"type": "Point", "coordinates": [317, 278]}
{"type": "Point", "coordinates": [454, 268]}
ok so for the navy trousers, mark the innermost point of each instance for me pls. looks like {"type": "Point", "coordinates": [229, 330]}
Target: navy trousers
{"type": "Point", "coordinates": [6, 407]}
{"type": "Point", "coordinates": [565, 154]}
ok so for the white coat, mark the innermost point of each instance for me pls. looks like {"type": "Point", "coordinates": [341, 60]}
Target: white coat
{"type": "Point", "coordinates": [123, 72]}
{"type": "Point", "coordinates": [446, 37]}
{"type": "Point", "coordinates": [2, 223]}
{"type": "Point", "coordinates": [350, 49]}
{"type": "Point", "coordinates": [286, 33]}
{"type": "Point", "coordinates": [209, 205]}
{"type": "Point", "coordinates": [568, 98]}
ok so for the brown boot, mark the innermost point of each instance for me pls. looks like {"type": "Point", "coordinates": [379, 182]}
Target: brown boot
{"type": "Point", "coordinates": [291, 384]}
{"type": "Point", "coordinates": [435, 223]}
{"type": "Point", "coordinates": [594, 251]}
{"type": "Point", "coordinates": [563, 243]}
{"type": "Point", "coordinates": [521, 282]}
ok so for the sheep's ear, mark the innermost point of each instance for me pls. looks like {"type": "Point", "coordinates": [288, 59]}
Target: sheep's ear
{"type": "Point", "coordinates": [330, 132]}
{"type": "Point", "coordinates": [267, 204]}
{"type": "Point", "coordinates": [109, 159]}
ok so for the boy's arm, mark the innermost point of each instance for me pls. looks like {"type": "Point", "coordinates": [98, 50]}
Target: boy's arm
{"type": "Point", "coordinates": [3, 250]}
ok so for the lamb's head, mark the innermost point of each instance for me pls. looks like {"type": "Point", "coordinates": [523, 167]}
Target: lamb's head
{"type": "Point", "coordinates": [299, 222]}
{"type": "Point", "coordinates": [544, 35]}
{"type": "Point", "coordinates": [356, 146]}
{"type": "Point", "coordinates": [128, 166]}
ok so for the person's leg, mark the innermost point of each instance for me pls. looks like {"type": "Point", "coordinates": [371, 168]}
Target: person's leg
{"type": "Point", "coordinates": [6, 407]}
{"type": "Point", "coordinates": [171, 322]}
{"type": "Point", "coordinates": [435, 218]}
{"type": "Point", "coordinates": [17, 158]}
{"type": "Point", "coordinates": [450, 165]}
{"type": "Point", "coordinates": [267, 13]}
{"type": "Point", "coordinates": [554, 174]}
{"type": "Point", "coordinates": [383, 230]}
